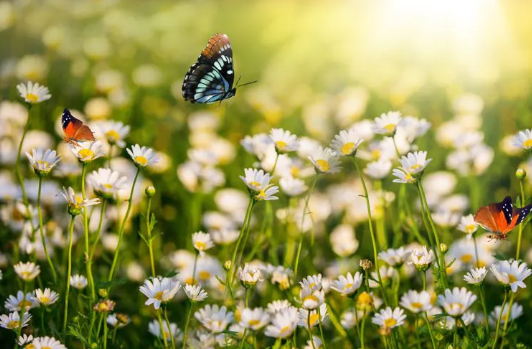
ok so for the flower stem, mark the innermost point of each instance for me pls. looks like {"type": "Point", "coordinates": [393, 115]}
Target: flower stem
{"type": "Point", "coordinates": [186, 325]}
{"type": "Point", "coordinates": [309, 329]}
{"type": "Point", "coordinates": [499, 320]}
{"type": "Point", "coordinates": [483, 301]}
{"type": "Point", "coordinates": [104, 315]}
{"type": "Point", "coordinates": [95, 243]}
{"type": "Point", "coordinates": [424, 277]}
{"type": "Point", "coordinates": [372, 233]}
{"type": "Point", "coordinates": [430, 331]}
{"type": "Point", "coordinates": [362, 328]}
{"type": "Point", "coordinates": [169, 328]}
{"type": "Point", "coordinates": [69, 269]}
{"type": "Point", "coordinates": [321, 329]}
{"type": "Point", "coordinates": [39, 209]}
{"type": "Point", "coordinates": [520, 231]}
{"type": "Point", "coordinates": [150, 246]}
{"type": "Point", "coordinates": [507, 318]}
{"type": "Point", "coordinates": [240, 238]}
{"type": "Point", "coordinates": [305, 209]}
{"type": "Point", "coordinates": [86, 233]}
{"type": "Point", "coordinates": [194, 268]}
{"type": "Point", "coordinates": [121, 231]}
{"type": "Point", "coordinates": [163, 333]}
{"type": "Point", "coordinates": [477, 264]}
{"type": "Point", "coordinates": [17, 164]}
{"type": "Point", "coordinates": [416, 319]}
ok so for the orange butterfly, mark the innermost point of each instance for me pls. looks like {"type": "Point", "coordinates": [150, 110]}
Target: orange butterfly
{"type": "Point", "coordinates": [500, 218]}
{"type": "Point", "coordinates": [74, 129]}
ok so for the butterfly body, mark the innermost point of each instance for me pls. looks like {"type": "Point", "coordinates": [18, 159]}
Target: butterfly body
{"type": "Point", "coordinates": [211, 78]}
{"type": "Point", "coordinates": [501, 218]}
{"type": "Point", "coordinates": [74, 129]}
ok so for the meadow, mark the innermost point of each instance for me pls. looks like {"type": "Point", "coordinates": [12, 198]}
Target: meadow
{"type": "Point", "coordinates": [371, 189]}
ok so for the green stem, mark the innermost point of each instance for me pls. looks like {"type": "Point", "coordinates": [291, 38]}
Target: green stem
{"type": "Point", "coordinates": [382, 239]}
{"type": "Point", "coordinates": [416, 331]}
{"type": "Point", "coordinates": [520, 231]}
{"type": "Point", "coordinates": [477, 264]}
{"type": "Point", "coordinates": [39, 210]}
{"type": "Point", "coordinates": [507, 318]}
{"type": "Point", "coordinates": [430, 331]}
{"type": "Point", "coordinates": [309, 329]}
{"type": "Point", "coordinates": [455, 335]}
{"type": "Point", "coordinates": [424, 277]}
{"type": "Point", "coordinates": [483, 301]}
{"type": "Point", "coordinates": [86, 233]}
{"type": "Point", "coordinates": [121, 231]}
{"type": "Point", "coordinates": [17, 164]}
{"type": "Point", "coordinates": [98, 232]}
{"type": "Point", "coordinates": [305, 209]}
{"type": "Point", "coordinates": [186, 325]}
{"type": "Point", "coordinates": [163, 334]}
{"type": "Point", "coordinates": [499, 320]}
{"type": "Point", "coordinates": [169, 328]}
{"type": "Point", "coordinates": [22, 311]}
{"type": "Point", "coordinates": [150, 247]}
{"type": "Point", "coordinates": [372, 233]}
{"type": "Point", "coordinates": [104, 330]}
{"type": "Point", "coordinates": [240, 238]}
{"type": "Point", "coordinates": [244, 338]}
{"type": "Point", "coordinates": [69, 269]}
{"type": "Point", "coordinates": [321, 329]}
{"type": "Point", "coordinates": [362, 328]}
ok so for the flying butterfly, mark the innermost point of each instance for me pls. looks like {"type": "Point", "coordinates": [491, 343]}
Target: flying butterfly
{"type": "Point", "coordinates": [500, 218]}
{"type": "Point", "coordinates": [210, 79]}
{"type": "Point", "coordinates": [74, 129]}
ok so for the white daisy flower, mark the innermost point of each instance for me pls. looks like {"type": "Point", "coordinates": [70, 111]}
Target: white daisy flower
{"type": "Point", "coordinates": [254, 319]}
{"type": "Point", "coordinates": [224, 236]}
{"type": "Point", "coordinates": [316, 343]}
{"type": "Point", "coordinates": [422, 258]}
{"type": "Point", "coordinates": [202, 242]}
{"type": "Point", "coordinates": [378, 169]}
{"type": "Point", "coordinates": [155, 328]}
{"type": "Point", "coordinates": [43, 163]}
{"type": "Point", "coordinates": [325, 160]}
{"type": "Point", "coordinates": [403, 176]}
{"type": "Point", "coordinates": [142, 157]}
{"type": "Point", "coordinates": [118, 320]}
{"type": "Point", "coordinates": [46, 297]}
{"type": "Point", "coordinates": [256, 180]}
{"type": "Point", "coordinates": [106, 182]}
{"type": "Point", "coordinates": [348, 285]}
{"type": "Point", "coordinates": [33, 93]}
{"type": "Point", "coordinates": [467, 225]}
{"type": "Point", "coordinates": [516, 311]}
{"type": "Point", "coordinates": [449, 322]}
{"type": "Point", "coordinates": [76, 202]}
{"type": "Point", "coordinates": [388, 318]}
{"type": "Point", "coordinates": [523, 139]}
{"type": "Point", "coordinates": [311, 299]}
{"type": "Point", "coordinates": [395, 257]}
{"type": "Point", "coordinates": [386, 124]}
{"type": "Point", "coordinates": [114, 132]}
{"type": "Point", "coordinates": [12, 320]}
{"type": "Point", "coordinates": [159, 290]}
{"type": "Point", "coordinates": [415, 163]}
{"type": "Point", "coordinates": [346, 143]}
{"type": "Point", "coordinates": [27, 271]}
{"type": "Point", "coordinates": [284, 141]}
{"type": "Point", "coordinates": [78, 281]}
{"type": "Point", "coordinates": [24, 340]}
{"type": "Point", "coordinates": [314, 318]}
{"type": "Point", "coordinates": [457, 301]}
{"type": "Point", "coordinates": [387, 275]}
{"type": "Point", "coordinates": [249, 275]}
{"type": "Point", "coordinates": [511, 273]}
{"type": "Point", "coordinates": [257, 145]}
{"type": "Point", "coordinates": [283, 323]}
{"type": "Point", "coordinates": [15, 303]}
{"type": "Point", "coordinates": [343, 240]}
{"type": "Point", "coordinates": [476, 276]}
{"type": "Point", "coordinates": [292, 186]}
{"type": "Point", "coordinates": [312, 282]}
{"type": "Point", "coordinates": [87, 151]}
{"type": "Point", "coordinates": [195, 293]}
{"type": "Point", "coordinates": [214, 318]}
{"type": "Point", "coordinates": [278, 305]}
{"type": "Point", "coordinates": [413, 127]}
{"type": "Point", "coordinates": [416, 302]}
{"type": "Point", "coordinates": [268, 194]}
{"type": "Point", "coordinates": [47, 343]}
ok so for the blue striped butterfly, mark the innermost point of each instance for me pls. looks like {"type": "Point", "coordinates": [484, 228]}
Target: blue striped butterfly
{"type": "Point", "coordinates": [210, 79]}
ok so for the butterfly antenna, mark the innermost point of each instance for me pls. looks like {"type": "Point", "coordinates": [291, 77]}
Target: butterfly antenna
{"type": "Point", "coordinates": [247, 83]}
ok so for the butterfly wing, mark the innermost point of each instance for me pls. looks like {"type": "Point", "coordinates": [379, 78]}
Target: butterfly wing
{"type": "Point", "coordinates": [486, 219]}
{"type": "Point", "coordinates": [520, 214]}
{"type": "Point", "coordinates": [74, 129]}
{"type": "Point", "coordinates": [84, 133]}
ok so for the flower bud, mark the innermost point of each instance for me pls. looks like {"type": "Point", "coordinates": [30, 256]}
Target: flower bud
{"type": "Point", "coordinates": [520, 174]}
{"type": "Point", "coordinates": [366, 264]}
{"type": "Point", "coordinates": [102, 292]}
{"type": "Point", "coordinates": [227, 265]}
{"type": "Point", "coordinates": [443, 248]}
{"type": "Point", "coordinates": [365, 302]}
{"type": "Point", "coordinates": [150, 191]}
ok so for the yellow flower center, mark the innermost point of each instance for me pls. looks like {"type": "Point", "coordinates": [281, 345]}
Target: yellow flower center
{"type": "Point", "coordinates": [347, 286]}
{"type": "Point", "coordinates": [204, 275]}
{"type": "Point", "coordinates": [415, 167]}
{"type": "Point", "coordinates": [512, 278]}
{"type": "Point", "coordinates": [311, 298]}
{"type": "Point", "coordinates": [43, 164]}
{"type": "Point", "coordinates": [364, 298]}
{"type": "Point", "coordinates": [112, 135]}
{"type": "Point", "coordinates": [391, 322]}
{"type": "Point", "coordinates": [86, 154]}
{"type": "Point", "coordinates": [108, 186]}
{"type": "Point", "coordinates": [166, 335]}
{"type": "Point", "coordinates": [46, 347]}
{"type": "Point", "coordinates": [323, 165]}
{"type": "Point", "coordinates": [25, 274]}
{"type": "Point", "coordinates": [466, 258]}
{"type": "Point", "coordinates": [24, 303]}
{"type": "Point", "coordinates": [375, 154]}
{"type": "Point", "coordinates": [200, 245]}
{"type": "Point", "coordinates": [261, 195]}
{"type": "Point", "coordinates": [295, 171]}
{"type": "Point", "coordinates": [417, 305]}
{"type": "Point", "coordinates": [527, 143]}
{"type": "Point", "coordinates": [79, 200]}
{"type": "Point", "coordinates": [44, 300]}
{"type": "Point", "coordinates": [13, 324]}
{"type": "Point", "coordinates": [254, 322]}
{"type": "Point", "coordinates": [312, 285]}
{"type": "Point", "coordinates": [409, 178]}
{"type": "Point", "coordinates": [470, 228]}
{"type": "Point", "coordinates": [390, 127]}
{"type": "Point", "coordinates": [348, 148]}
{"type": "Point", "coordinates": [457, 305]}
{"type": "Point", "coordinates": [281, 145]}
{"type": "Point", "coordinates": [254, 184]}
{"type": "Point", "coordinates": [30, 346]}
{"type": "Point", "coordinates": [159, 295]}
{"type": "Point", "coordinates": [32, 97]}
{"type": "Point", "coordinates": [284, 329]}
{"type": "Point", "coordinates": [314, 318]}
{"type": "Point", "coordinates": [141, 160]}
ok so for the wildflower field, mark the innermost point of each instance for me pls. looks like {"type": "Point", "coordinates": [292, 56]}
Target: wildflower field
{"type": "Point", "coordinates": [369, 186]}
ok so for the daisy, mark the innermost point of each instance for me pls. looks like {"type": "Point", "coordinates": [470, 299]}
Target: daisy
{"type": "Point", "coordinates": [118, 320]}
{"type": "Point", "coordinates": [387, 274]}
{"type": "Point", "coordinates": [142, 157]}
{"type": "Point", "coordinates": [378, 169]}
{"type": "Point", "coordinates": [76, 202]}
{"type": "Point", "coordinates": [292, 186]}
{"type": "Point", "coordinates": [415, 163]}
{"type": "Point", "coordinates": [416, 302]}
{"type": "Point", "coordinates": [87, 151]}
{"type": "Point", "coordinates": [114, 132]}
{"type": "Point", "coordinates": [33, 93]}
{"type": "Point", "coordinates": [47, 343]}
{"type": "Point", "coordinates": [106, 183]}
{"type": "Point", "coordinates": [312, 317]}
{"type": "Point", "coordinates": [202, 242]}
{"type": "Point", "coordinates": [46, 297]}
{"type": "Point", "coordinates": [312, 282]}
{"type": "Point", "coordinates": [283, 140]}
{"type": "Point", "coordinates": [348, 285]}
{"type": "Point", "coordinates": [224, 236]}
{"type": "Point", "coordinates": [343, 240]}
{"type": "Point", "coordinates": [346, 143]}
{"type": "Point", "coordinates": [15, 303]}
{"type": "Point", "coordinates": [256, 180]}
{"type": "Point", "coordinates": [268, 194]}
{"type": "Point", "coordinates": [387, 123]}
{"type": "Point", "coordinates": [476, 276]}
{"type": "Point", "coordinates": [523, 139]}
{"type": "Point", "coordinates": [155, 329]}
{"type": "Point", "coordinates": [24, 340]}
{"type": "Point", "coordinates": [388, 318]}
{"type": "Point", "coordinates": [457, 301]}
{"type": "Point", "coordinates": [43, 163]}
{"type": "Point", "coordinates": [159, 290]}
{"type": "Point", "coordinates": [403, 176]}
{"type": "Point", "coordinates": [12, 321]}
{"type": "Point", "coordinates": [249, 275]}
{"type": "Point", "coordinates": [78, 281]}
{"type": "Point", "coordinates": [515, 312]}
{"type": "Point", "coordinates": [449, 322]}
{"type": "Point", "coordinates": [278, 305]}
{"type": "Point", "coordinates": [27, 271]}
{"type": "Point", "coordinates": [281, 277]}
{"type": "Point", "coordinates": [311, 299]}
{"type": "Point", "coordinates": [467, 225]}
{"type": "Point", "coordinates": [254, 319]}
{"type": "Point", "coordinates": [214, 318]}
{"type": "Point", "coordinates": [395, 257]}
{"type": "Point", "coordinates": [422, 259]}
{"type": "Point", "coordinates": [104, 306]}
{"type": "Point", "coordinates": [283, 323]}
{"type": "Point", "coordinates": [511, 273]}
{"type": "Point", "coordinates": [315, 343]}
{"type": "Point", "coordinates": [195, 293]}
{"type": "Point", "coordinates": [325, 160]}
{"type": "Point", "coordinates": [257, 145]}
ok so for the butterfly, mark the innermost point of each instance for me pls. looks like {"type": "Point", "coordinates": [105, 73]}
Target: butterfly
{"type": "Point", "coordinates": [500, 218]}
{"type": "Point", "coordinates": [74, 129]}
{"type": "Point", "coordinates": [210, 79]}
